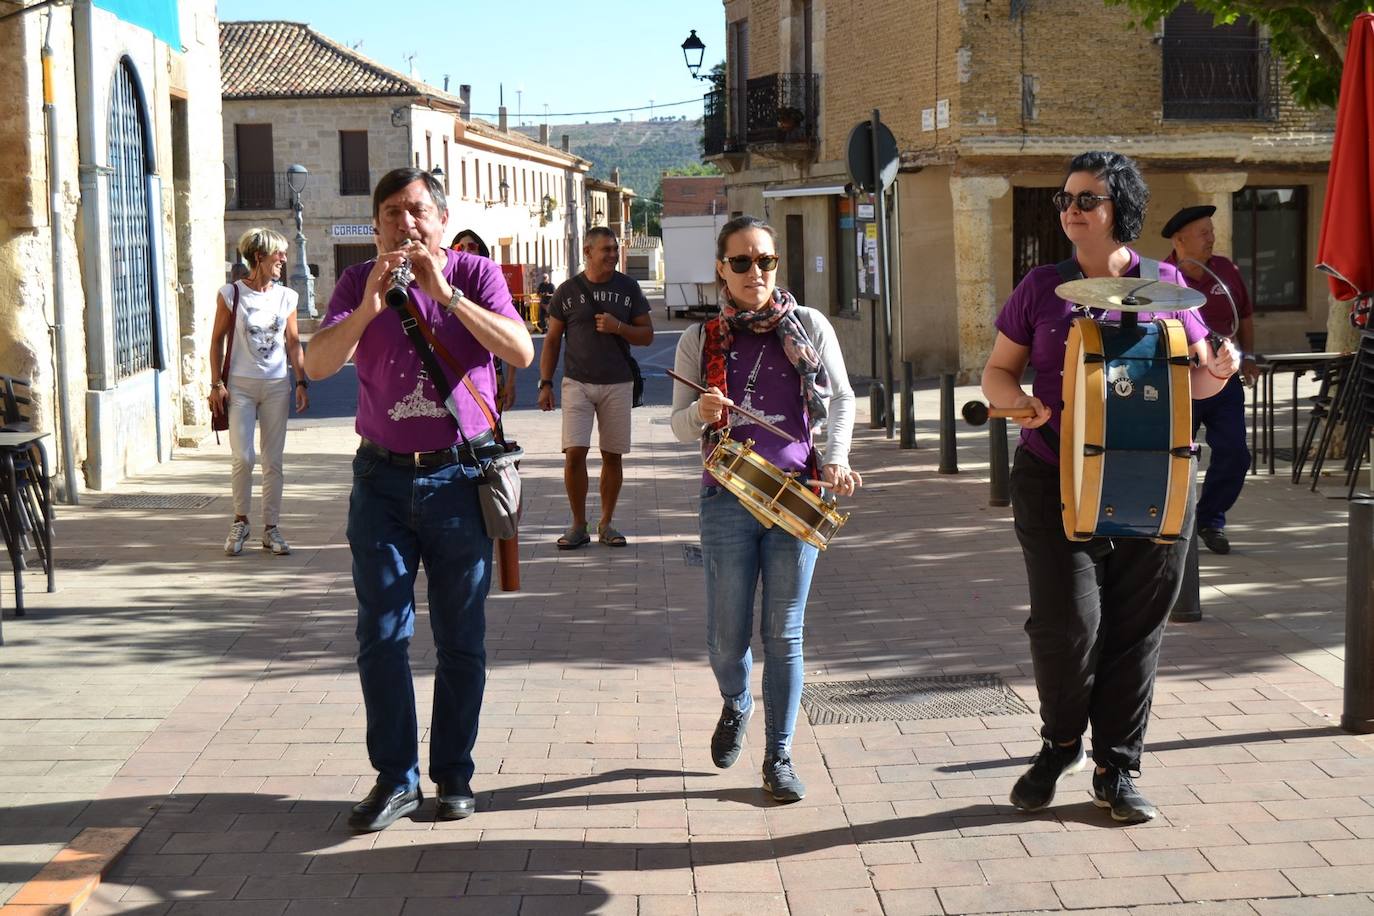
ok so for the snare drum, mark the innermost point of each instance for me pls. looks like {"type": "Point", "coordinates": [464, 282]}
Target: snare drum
{"type": "Point", "coordinates": [771, 496]}
{"type": "Point", "coordinates": [1126, 453]}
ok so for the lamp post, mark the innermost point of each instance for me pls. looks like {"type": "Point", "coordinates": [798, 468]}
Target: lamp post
{"type": "Point", "coordinates": [692, 51]}
{"type": "Point", "coordinates": [301, 280]}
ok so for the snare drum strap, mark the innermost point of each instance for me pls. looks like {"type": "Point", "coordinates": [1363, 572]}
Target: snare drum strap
{"type": "Point", "coordinates": [1069, 269]}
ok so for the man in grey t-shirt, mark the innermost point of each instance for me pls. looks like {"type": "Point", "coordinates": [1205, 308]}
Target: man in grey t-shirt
{"type": "Point", "coordinates": [603, 313]}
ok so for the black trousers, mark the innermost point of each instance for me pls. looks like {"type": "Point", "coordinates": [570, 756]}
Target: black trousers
{"type": "Point", "coordinates": [1098, 611]}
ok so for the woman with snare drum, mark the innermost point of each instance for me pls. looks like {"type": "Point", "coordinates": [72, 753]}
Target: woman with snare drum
{"type": "Point", "coordinates": [1097, 607]}
{"type": "Point", "coordinates": [781, 360]}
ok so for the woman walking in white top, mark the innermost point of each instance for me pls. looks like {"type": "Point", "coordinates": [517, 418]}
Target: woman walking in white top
{"type": "Point", "coordinates": [261, 313]}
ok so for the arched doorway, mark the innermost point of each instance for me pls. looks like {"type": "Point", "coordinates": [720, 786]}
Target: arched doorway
{"type": "Point", "coordinates": [136, 344]}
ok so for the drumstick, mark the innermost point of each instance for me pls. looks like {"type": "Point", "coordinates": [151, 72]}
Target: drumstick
{"type": "Point", "coordinates": [747, 414]}
{"type": "Point", "coordinates": [977, 413]}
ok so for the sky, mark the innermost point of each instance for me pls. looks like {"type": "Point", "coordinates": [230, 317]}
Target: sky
{"type": "Point", "coordinates": [546, 52]}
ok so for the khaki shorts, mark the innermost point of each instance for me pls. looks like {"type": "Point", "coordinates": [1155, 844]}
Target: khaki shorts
{"type": "Point", "coordinates": [610, 405]}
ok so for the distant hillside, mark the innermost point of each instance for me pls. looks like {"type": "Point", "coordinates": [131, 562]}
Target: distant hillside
{"type": "Point", "coordinates": [641, 149]}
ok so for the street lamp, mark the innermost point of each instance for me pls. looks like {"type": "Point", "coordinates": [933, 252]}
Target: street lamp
{"type": "Point", "coordinates": [504, 190]}
{"type": "Point", "coordinates": [692, 51]}
{"type": "Point", "coordinates": [301, 280]}
{"type": "Point", "coordinates": [438, 173]}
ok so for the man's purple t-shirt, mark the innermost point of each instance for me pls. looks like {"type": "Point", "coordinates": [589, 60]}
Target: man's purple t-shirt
{"type": "Point", "coordinates": [1216, 314]}
{"type": "Point", "coordinates": [1035, 317]}
{"type": "Point", "coordinates": [776, 395]}
{"type": "Point", "coordinates": [398, 407]}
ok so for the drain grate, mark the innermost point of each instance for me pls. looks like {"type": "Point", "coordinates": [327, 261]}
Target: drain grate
{"type": "Point", "coordinates": [950, 696]}
{"type": "Point", "coordinates": [80, 563]}
{"type": "Point", "coordinates": [157, 501]}
{"type": "Point", "coordinates": [691, 554]}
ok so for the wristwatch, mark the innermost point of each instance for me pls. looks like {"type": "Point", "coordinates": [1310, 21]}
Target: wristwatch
{"type": "Point", "coordinates": [302, 383]}
{"type": "Point", "coordinates": [546, 382]}
{"type": "Point", "coordinates": [453, 300]}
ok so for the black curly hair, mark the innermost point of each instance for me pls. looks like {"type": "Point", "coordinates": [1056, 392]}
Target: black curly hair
{"type": "Point", "coordinates": [1129, 192]}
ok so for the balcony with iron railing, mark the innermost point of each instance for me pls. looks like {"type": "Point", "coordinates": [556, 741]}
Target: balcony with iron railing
{"type": "Point", "coordinates": [782, 108]}
{"type": "Point", "coordinates": [1220, 79]}
{"type": "Point", "coordinates": [260, 191]}
{"type": "Point", "coordinates": [717, 138]}
{"type": "Point", "coordinates": [355, 182]}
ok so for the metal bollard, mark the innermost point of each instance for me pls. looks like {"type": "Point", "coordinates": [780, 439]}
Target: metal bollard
{"type": "Point", "coordinates": [908, 407]}
{"type": "Point", "coordinates": [1357, 714]}
{"type": "Point", "coordinates": [877, 405]}
{"type": "Point", "coordinates": [1188, 604]}
{"type": "Point", "coordinates": [949, 453]}
{"type": "Point", "coordinates": [1000, 494]}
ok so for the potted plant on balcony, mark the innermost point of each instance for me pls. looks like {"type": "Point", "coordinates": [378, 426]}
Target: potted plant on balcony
{"type": "Point", "coordinates": [790, 120]}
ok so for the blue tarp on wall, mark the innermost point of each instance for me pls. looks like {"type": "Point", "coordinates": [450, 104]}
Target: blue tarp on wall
{"type": "Point", "coordinates": [157, 16]}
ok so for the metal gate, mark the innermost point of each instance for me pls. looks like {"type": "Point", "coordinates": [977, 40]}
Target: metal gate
{"type": "Point", "coordinates": [131, 250]}
{"type": "Point", "coordinates": [1036, 236]}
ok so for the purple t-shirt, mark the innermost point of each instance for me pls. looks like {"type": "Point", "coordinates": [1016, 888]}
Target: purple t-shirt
{"type": "Point", "coordinates": [1216, 314]}
{"type": "Point", "coordinates": [775, 394]}
{"type": "Point", "coordinates": [398, 407]}
{"type": "Point", "coordinates": [1035, 317]}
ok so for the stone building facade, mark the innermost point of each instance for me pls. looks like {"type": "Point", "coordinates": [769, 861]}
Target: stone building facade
{"type": "Point", "coordinates": [988, 102]}
{"type": "Point", "coordinates": [348, 121]}
{"type": "Point", "coordinates": [138, 208]}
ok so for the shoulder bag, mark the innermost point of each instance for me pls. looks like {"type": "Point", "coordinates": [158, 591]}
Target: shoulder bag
{"type": "Point", "coordinates": [219, 418]}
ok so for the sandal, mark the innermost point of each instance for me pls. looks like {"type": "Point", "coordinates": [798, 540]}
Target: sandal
{"type": "Point", "coordinates": [575, 537]}
{"type": "Point", "coordinates": [609, 536]}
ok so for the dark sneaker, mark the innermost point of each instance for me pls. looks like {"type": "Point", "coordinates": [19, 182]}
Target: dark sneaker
{"type": "Point", "coordinates": [1116, 790]}
{"type": "Point", "coordinates": [780, 780]}
{"type": "Point", "coordinates": [455, 801]}
{"type": "Point", "coordinates": [728, 738]}
{"type": "Point", "coordinates": [383, 806]}
{"type": "Point", "coordinates": [1215, 539]}
{"type": "Point", "coordinates": [1035, 789]}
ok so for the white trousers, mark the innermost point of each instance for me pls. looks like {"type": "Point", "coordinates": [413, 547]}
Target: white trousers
{"type": "Point", "coordinates": [264, 403]}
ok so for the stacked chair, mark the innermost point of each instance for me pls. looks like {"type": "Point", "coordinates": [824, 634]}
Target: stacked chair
{"type": "Point", "coordinates": [25, 489]}
{"type": "Point", "coordinates": [1346, 399]}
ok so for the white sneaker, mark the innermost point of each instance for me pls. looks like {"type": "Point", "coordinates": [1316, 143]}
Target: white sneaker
{"type": "Point", "coordinates": [238, 533]}
{"type": "Point", "coordinates": [273, 541]}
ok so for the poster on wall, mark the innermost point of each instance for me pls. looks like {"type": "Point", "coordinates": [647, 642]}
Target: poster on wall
{"type": "Point", "coordinates": [866, 240]}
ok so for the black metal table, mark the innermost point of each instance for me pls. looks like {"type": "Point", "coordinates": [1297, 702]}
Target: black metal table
{"type": "Point", "coordinates": [1262, 401]}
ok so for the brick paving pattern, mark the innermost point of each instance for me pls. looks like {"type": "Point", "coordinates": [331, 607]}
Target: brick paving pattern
{"type": "Point", "coordinates": [214, 704]}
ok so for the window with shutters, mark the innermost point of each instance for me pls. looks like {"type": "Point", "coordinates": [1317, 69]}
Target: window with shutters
{"type": "Point", "coordinates": [354, 177]}
{"type": "Point", "coordinates": [1217, 72]}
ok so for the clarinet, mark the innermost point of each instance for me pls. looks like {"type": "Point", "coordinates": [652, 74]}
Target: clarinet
{"type": "Point", "coordinates": [398, 294]}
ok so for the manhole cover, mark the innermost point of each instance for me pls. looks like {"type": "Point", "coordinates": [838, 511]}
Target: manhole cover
{"type": "Point", "coordinates": [691, 554]}
{"type": "Point", "coordinates": [157, 501]}
{"type": "Point", "coordinates": [950, 696]}
{"type": "Point", "coordinates": [80, 563]}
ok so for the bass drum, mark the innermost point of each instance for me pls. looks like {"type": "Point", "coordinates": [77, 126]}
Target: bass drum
{"type": "Point", "coordinates": [1126, 431]}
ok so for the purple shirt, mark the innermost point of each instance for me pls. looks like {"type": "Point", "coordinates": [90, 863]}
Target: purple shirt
{"type": "Point", "coordinates": [776, 395]}
{"type": "Point", "coordinates": [1035, 317]}
{"type": "Point", "coordinates": [398, 407]}
{"type": "Point", "coordinates": [1216, 314]}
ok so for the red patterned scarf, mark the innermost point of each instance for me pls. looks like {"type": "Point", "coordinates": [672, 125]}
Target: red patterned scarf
{"type": "Point", "coordinates": [778, 316]}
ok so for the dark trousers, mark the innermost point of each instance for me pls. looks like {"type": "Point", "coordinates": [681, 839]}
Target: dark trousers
{"type": "Point", "coordinates": [1098, 610]}
{"type": "Point", "coordinates": [398, 518]}
{"type": "Point", "coordinates": [1224, 416]}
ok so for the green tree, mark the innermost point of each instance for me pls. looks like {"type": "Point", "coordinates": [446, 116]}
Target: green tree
{"type": "Point", "coordinates": [1309, 36]}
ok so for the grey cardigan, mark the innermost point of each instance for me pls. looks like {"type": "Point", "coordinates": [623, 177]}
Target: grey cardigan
{"type": "Point", "coordinates": [687, 425]}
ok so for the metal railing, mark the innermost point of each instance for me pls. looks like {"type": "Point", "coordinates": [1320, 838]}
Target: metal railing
{"type": "Point", "coordinates": [1227, 79]}
{"type": "Point", "coordinates": [261, 191]}
{"type": "Point", "coordinates": [716, 137]}
{"type": "Point", "coordinates": [782, 108]}
{"type": "Point", "coordinates": [355, 182]}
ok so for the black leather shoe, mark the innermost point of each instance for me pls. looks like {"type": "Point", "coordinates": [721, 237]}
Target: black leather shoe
{"type": "Point", "coordinates": [1035, 789]}
{"type": "Point", "coordinates": [383, 806]}
{"type": "Point", "coordinates": [728, 738]}
{"type": "Point", "coordinates": [455, 801]}
{"type": "Point", "coordinates": [1215, 539]}
{"type": "Point", "coordinates": [1115, 789]}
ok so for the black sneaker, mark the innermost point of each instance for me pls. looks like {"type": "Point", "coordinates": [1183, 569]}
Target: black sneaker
{"type": "Point", "coordinates": [383, 806]}
{"type": "Point", "coordinates": [780, 780]}
{"type": "Point", "coordinates": [1215, 539]}
{"type": "Point", "coordinates": [728, 738]}
{"type": "Point", "coordinates": [1115, 789]}
{"type": "Point", "coordinates": [1035, 789]}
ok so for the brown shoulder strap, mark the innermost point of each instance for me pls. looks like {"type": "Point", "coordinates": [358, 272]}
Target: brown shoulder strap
{"type": "Point", "coordinates": [428, 333]}
{"type": "Point", "coordinates": [233, 329]}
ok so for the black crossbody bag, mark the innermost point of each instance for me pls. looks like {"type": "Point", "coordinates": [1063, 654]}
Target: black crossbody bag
{"type": "Point", "coordinates": [638, 376]}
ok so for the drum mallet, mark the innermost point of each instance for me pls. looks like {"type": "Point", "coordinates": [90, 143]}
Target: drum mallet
{"type": "Point", "coordinates": [976, 413]}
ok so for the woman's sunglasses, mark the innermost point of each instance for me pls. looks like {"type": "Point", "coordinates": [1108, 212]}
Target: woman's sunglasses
{"type": "Point", "coordinates": [741, 263]}
{"type": "Point", "coordinates": [1086, 201]}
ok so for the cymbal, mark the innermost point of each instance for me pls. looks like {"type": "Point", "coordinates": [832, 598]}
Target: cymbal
{"type": "Point", "coordinates": [1130, 294]}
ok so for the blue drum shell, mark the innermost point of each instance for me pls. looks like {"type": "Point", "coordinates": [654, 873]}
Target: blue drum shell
{"type": "Point", "coordinates": [1135, 472]}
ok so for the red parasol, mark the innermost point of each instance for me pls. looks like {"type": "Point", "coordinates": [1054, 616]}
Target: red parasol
{"type": "Point", "coordinates": [1346, 249]}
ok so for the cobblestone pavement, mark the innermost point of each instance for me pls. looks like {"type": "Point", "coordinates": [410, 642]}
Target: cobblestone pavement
{"type": "Point", "coordinates": [214, 703]}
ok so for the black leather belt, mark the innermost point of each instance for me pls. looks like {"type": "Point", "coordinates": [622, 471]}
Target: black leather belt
{"type": "Point", "coordinates": [484, 445]}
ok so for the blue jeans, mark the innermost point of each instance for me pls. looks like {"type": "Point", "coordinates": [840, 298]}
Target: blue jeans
{"type": "Point", "coordinates": [399, 517]}
{"type": "Point", "coordinates": [1224, 416]}
{"type": "Point", "coordinates": [737, 551]}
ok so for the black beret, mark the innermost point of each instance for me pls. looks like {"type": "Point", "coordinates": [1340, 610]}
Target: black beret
{"type": "Point", "coordinates": [1184, 217]}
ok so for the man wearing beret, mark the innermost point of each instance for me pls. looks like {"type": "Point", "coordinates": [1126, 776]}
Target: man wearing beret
{"type": "Point", "coordinates": [1190, 231]}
